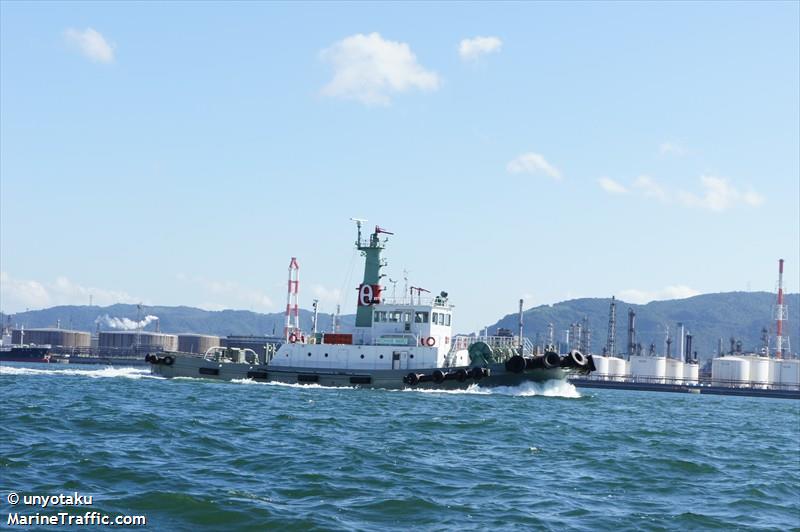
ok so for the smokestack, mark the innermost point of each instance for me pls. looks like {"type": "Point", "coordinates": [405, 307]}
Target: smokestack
{"type": "Point", "coordinates": [688, 350]}
{"type": "Point", "coordinates": [631, 333]}
{"type": "Point", "coordinates": [780, 314]}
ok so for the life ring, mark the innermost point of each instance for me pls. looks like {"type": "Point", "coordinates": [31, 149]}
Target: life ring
{"type": "Point", "coordinates": [430, 341]}
{"type": "Point", "coordinates": [168, 360]}
{"type": "Point", "coordinates": [292, 338]}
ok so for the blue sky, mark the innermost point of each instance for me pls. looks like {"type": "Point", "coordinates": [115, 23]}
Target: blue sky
{"type": "Point", "coordinates": [182, 153]}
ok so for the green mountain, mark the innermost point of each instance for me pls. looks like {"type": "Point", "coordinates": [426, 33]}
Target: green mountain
{"type": "Point", "coordinates": [170, 319]}
{"type": "Point", "coordinates": [707, 317]}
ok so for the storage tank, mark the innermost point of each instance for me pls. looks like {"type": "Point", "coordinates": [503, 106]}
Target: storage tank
{"type": "Point", "coordinates": [197, 343]}
{"type": "Point", "coordinates": [52, 336]}
{"type": "Point", "coordinates": [787, 373]}
{"type": "Point", "coordinates": [691, 373]}
{"type": "Point", "coordinates": [127, 340]}
{"type": "Point", "coordinates": [674, 371]}
{"type": "Point", "coordinates": [648, 369]}
{"type": "Point", "coordinates": [759, 371]}
{"type": "Point", "coordinates": [730, 371]}
{"type": "Point", "coordinates": [618, 368]}
{"type": "Point", "coordinates": [601, 365]}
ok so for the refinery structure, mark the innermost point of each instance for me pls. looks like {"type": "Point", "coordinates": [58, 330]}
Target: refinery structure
{"type": "Point", "coordinates": [769, 367]}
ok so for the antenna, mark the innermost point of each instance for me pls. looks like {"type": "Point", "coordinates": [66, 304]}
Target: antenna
{"type": "Point", "coordinates": [394, 288]}
{"type": "Point", "coordinates": [291, 300]}
{"type": "Point", "coordinates": [359, 222]}
{"type": "Point", "coordinates": [315, 304]}
{"type": "Point", "coordinates": [405, 284]}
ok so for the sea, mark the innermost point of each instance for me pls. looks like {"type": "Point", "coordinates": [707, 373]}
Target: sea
{"type": "Point", "coordinates": [192, 454]}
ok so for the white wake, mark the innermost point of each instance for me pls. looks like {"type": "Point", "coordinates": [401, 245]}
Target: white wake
{"type": "Point", "coordinates": [552, 388]}
{"type": "Point", "coordinates": [107, 372]}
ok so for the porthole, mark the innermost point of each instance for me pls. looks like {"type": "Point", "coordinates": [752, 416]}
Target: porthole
{"type": "Point", "coordinates": [326, 355]}
{"type": "Point", "coordinates": [309, 354]}
{"type": "Point", "coordinates": [381, 356]}
{"type": "Point", "coordinates": [362, 356]}
{"type": "Point", "coordinates": [410, 356]}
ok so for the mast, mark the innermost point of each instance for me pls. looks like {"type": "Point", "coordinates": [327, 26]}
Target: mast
{"type": "Point", "coordinates": [369, 292]}
{"type": "Point", "coordinates": [292, 307]}
{"type": "Point", "coordinates": [521, 343]}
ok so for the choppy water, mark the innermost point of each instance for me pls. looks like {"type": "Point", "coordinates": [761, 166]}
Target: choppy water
{"type": "Point", "coordinates": [201, 455]}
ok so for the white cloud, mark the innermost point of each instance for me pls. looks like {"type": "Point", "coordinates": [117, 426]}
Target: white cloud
{"type": "Point", "coordinates": [370, 69]}
{"type": "Point", "coordinates": [611, 186]}
{"type": "Point", "coordinates": [227, 294]}
{"type": "Point", "coordinates": [20, 294]}
{"type": "Point", "coordinates": [671, 148]}
{"type": "Point", "coordinates": [326, 296]}
{"type": "Point", "coordinates": [650, 188]}
{"type": "Point", "coordinates": [719, 195]}
{"type": "Point", "coordinates": [91, 43]}
{"type": "Point", "coordinates": [472, 49]}
{"type": "Point", "coordinates": [532, 163]}
{"type": "Point", "coordinates": [641, 297]}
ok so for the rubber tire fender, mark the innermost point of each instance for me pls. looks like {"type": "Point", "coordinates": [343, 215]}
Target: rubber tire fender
{"type": "Point", "coordinates": [169, 360]}
{"type": "Point", "coordinates": [412, 379]}
{"type": "Point", "coordinates": [515, 364]}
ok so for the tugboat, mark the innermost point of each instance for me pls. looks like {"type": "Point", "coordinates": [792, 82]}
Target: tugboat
{"type": "Point", "coordinates": [395, 344]}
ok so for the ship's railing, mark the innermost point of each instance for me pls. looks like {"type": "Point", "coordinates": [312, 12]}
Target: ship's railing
{"type": "Point", "coordinates": [417, 301]}
{"type": "Point", "coordinates": [464, 341]}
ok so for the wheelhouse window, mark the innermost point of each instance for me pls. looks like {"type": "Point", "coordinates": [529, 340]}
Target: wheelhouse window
{"type": "Point", "coordinates": [394, 316]}
{"type": "Point", "coordinates": [380, 316]}
{"type": "Point", "coordinates": [435, 319]}
{"type": "Point", "coordinates": [447, 319]}
{"type": "Point", "coordinates": [420, 317]}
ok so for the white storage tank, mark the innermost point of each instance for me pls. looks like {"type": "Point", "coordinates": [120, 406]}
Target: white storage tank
{"type": "Point", "coordinates": [691, 373]}
{"type": "Point", "coordinates": [618, 368]}
{"type": "Point", "coordinates": [649, 369]}
{"type": "Point", "coordinates": [601, 365]}
{"type": "Point", "coordinates": [759, 371]}
{"type": "Point", "coordinates": [730, 371]}
{"type": "Point", "coordinates": [787, 373]}
{"type": "Point", "coordinates": [674, 371]}
{"type": "Point", "coordinates": [623, 369]}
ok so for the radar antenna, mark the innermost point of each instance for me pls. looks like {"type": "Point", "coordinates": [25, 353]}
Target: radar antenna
{"type": "Point", "coordinates": [359, 222]}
